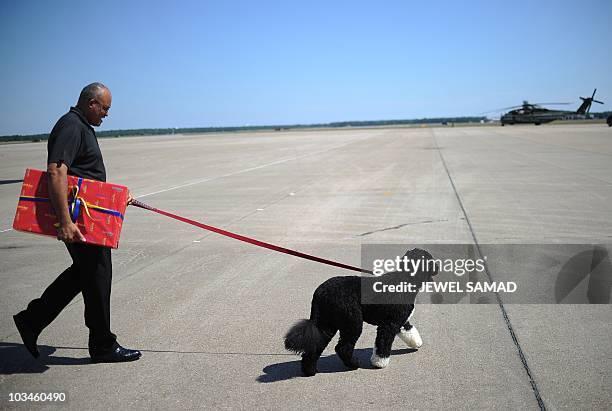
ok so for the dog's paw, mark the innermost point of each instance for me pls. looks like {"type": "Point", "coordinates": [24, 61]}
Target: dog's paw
{"type": "Point", "coordinates": [411, 337]}
{"type": "Point", "coordinates": [353, 364]}
{"type": "Point", "coordinates": [309, 370]}
{"type": "Point", "coordinates": [378, 362]}
{"type": "Point", "coordinates": [347, 357]}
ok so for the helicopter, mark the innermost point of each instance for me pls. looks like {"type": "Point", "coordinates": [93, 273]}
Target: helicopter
{"type": "Point", "coordinates": [536, 114]}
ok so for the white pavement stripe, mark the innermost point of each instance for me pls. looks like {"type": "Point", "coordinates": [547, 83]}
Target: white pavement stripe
{"type": "Point", "coordinates": [246, 170]}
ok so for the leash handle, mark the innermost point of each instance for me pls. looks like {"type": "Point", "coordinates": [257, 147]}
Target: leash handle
{"type": "Point", "coordinates": [249, 240]}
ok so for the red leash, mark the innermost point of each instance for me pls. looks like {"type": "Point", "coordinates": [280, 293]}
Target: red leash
{"type": "Point", "coordinates": [249, 240]}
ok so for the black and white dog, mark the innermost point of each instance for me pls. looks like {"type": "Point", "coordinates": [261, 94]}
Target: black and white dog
{"type": "Point", "coordinates": [337, 305]}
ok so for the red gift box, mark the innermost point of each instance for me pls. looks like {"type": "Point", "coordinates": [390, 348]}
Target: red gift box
{"type": "Point", "coordinates": [97, 208]}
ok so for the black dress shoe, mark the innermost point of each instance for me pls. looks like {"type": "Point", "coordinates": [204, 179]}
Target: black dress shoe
{"type": "Point", "coordinates": [118, 354]}
{"type": "Point", "coordinates": [28, 336]}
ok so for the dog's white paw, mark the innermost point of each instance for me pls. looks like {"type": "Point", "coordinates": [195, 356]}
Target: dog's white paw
{"type": "Point", "coordinates": [378, 362]}
{"type": "Point", "coordinates": [412, 338]}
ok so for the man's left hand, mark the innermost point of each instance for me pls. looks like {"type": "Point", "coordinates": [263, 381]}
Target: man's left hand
{"type": "Point", "coordinates": [129, 198]}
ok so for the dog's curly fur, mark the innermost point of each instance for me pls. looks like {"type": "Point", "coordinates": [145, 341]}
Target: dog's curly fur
{"type": "Point", "coordinates": [337, 305]}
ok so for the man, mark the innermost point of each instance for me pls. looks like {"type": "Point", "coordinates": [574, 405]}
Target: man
{"type": "Point", "coordinates": [73, 149]}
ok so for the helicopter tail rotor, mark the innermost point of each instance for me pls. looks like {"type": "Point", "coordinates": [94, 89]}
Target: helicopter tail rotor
{"type": "Point", "coordinates": [585, 107]}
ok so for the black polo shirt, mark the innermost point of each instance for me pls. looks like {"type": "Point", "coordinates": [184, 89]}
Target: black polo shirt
{"type": "Point", "coordinates": [73, 142]}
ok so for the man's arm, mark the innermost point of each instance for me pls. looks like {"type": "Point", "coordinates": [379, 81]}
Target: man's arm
{"type": "Point", "coordinates": [58, 193]}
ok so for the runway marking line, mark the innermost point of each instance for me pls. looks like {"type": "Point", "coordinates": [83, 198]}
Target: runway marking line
{"type": "Point", "coordinates": [246, 170]}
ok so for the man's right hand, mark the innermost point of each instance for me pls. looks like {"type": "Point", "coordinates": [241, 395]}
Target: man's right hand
{"type": "Point", "coordinates": [69, 233]}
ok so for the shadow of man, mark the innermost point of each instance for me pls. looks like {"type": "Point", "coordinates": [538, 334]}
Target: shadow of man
{"type": "Point", "coordinates": [15, 359]}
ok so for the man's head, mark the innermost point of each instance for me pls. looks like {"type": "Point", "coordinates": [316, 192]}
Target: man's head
{"type": "Point", "coordinates": [95, 101]}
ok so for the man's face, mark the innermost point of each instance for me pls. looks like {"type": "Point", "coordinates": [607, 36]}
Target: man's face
{"type": "Point", "coordinates": [98, 108]}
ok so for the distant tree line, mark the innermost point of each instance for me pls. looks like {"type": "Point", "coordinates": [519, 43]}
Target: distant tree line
{"type": "Point", "coordinates": [603, 114]}
{"type": "Point", "coordinates": [202, 130]}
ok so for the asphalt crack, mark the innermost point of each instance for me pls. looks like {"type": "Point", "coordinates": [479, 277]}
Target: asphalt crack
{"type": "Point", "coordinates": [397, 227]}
{"type": "Point", "coordinates": [500, 303]}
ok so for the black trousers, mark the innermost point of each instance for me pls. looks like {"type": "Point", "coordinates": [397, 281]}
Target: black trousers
{"type": "Point", "coordinates": [91, 274]}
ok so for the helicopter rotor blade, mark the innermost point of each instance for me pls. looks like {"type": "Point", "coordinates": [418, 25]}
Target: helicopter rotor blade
{"type": "Point", "coordinates": [500, 109]}
{"type": "Point", "coordinates": [509, 108]}
{"type": "Point", "coordinates": [551, 104]}
{"type": "Point", "coordinates": [526, 104]}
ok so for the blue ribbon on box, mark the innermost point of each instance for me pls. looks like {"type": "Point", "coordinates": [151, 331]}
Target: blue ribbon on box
{"type": "Point", "coordinates": [76, 203]}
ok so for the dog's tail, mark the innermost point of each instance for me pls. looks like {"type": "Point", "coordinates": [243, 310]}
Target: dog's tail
{"type": "Point", "coordinates": [304, 337]}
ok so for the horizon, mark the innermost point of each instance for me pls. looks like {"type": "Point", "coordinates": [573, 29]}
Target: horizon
{"type": "Point", "coordinates": [266, 126]}
{"type": "Point", "coordinates": [203, 65]}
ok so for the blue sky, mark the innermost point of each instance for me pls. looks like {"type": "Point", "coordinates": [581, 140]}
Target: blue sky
{"type": "Point", "coordinates": [233, 63]}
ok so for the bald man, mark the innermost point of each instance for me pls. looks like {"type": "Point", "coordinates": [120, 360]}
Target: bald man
{"type": "Point", "coordinates": [73, 150]}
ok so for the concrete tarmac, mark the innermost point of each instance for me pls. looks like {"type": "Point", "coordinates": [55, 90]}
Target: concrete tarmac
{"type": "Point", "coordinates": [209, 313]}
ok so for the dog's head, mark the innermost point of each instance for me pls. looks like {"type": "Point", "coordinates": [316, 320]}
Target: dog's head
{"type": "Point", "coordinates": [415, 267]}
{"type": "Point", "coordinates": [427, 264]}
{"type": "Point", "coordinates": [422, 263]}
